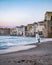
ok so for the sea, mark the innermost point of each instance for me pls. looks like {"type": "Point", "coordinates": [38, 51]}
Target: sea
{"type": "Point", "coordinates": [16, 43]}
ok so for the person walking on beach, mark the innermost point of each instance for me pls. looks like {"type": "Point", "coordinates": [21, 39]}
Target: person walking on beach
{"type": "Point", "coordinates": [38, 37]}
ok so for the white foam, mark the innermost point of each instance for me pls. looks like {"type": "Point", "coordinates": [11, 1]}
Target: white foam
{"type": "Point", "coordinates": [16, 48]}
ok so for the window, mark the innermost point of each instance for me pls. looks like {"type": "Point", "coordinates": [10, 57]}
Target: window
{"type": "Point", "coordinates": [51, 18]}
{"type": "Point", "coordinates": [50, 23]}
{"type": "Point", "coordinates": [51, 28]}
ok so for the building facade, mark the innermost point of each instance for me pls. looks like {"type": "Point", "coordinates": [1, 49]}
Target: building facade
{"type": "Point", "coordinates": [48, 25]}
{"type": "Point", "coordinates": [12, 31]}
{"type": "Point", "coordinates": [40, 27]}
{"type": "Point", "coordinates": [29, 30]}
{"type": "Point", "coordinates": [4, 31]}
{"type": "Point", "coordinates": [34, 26]}
{"type": "Point", "coordinates": [20, 30]}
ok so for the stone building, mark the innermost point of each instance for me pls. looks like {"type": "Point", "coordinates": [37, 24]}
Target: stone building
{"type": "Point", "coordinates": [34, 26]}
{"type": "Point", "coordinates": [29, 30]}
{"type": "Point", "coordinates": [24, 30]}
{"type": "Point", "coordinates": [4, 31]}
{"type": "Point", "coordinates": [48, 25]}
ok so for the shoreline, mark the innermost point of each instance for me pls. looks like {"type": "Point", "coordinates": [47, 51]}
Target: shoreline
{"type": "Point", "coordinates": [40, 55]}
{"type": "Point", "coordinates": [16, 49]}
{"type": "Point", "coordinates": [35, 46]}
{"type": "Point", "coordinates": [20, 48]}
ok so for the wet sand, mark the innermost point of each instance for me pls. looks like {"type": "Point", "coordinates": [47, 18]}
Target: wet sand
{"type": "Point", "coordinates": [40, 55]}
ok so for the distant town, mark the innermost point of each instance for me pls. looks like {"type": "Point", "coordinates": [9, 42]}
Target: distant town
{"type": "Point", "coordinates": [44, 28]}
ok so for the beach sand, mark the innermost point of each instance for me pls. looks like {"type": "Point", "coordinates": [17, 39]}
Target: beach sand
{"type": "Point", "coordinates": [40, 55]}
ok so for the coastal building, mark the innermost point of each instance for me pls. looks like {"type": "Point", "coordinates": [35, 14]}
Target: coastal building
{"type": "Point", "coordinates": [34, 26]}
{"type": "Point", "coordinates": [40, 27]}
{"type": "Point", "coordinates": [29, 30]}
{"type": "Point", "coordinates": [48, 16]}
{"type": "Point", "coordinates": [48, 25]}
{"type": "Point", "coordinates": [20, 30]}
{"type": "Point", "coordinates": [12, 31]}
{"type": "Point", "coordinates": [4, 31]}
{"type": "Point", "coordinates": [24, 30]}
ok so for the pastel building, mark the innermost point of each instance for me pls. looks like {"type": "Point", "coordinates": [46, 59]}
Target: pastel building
{"type": "Point", "coordinates": [29, 30]}
{"type": "Point", "coordinates": [20, 30]}
{"type": "Point", "coordinates": [40, 27]}
{"type": "Point", "coordinates": [12, 31]}
{"type": "Point", "coordinates": [48, 16]}
{"type": "Point", "coordinates": [48, 25]}
{"type": "Point", "coordinates": [34, 26]}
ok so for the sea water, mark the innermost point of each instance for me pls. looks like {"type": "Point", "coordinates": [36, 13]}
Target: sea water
{"type": "Point", "coordinates": [8, 41]}
{"type": "Point", "coordinates": [16, 43]}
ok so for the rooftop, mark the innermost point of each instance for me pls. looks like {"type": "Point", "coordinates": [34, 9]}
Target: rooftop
{"type": "Point", "coordinates": [48, 12]}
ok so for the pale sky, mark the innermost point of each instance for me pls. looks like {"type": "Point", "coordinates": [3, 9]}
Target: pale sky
{"type": "Point", "coordinates": [23, 12]}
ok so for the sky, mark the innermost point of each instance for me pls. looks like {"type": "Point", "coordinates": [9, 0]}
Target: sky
{"type": "Point", "coordinates": [23, 12]}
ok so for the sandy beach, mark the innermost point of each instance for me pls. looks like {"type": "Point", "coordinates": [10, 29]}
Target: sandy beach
{"type": "Point", "coordinates": [40, 55]}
